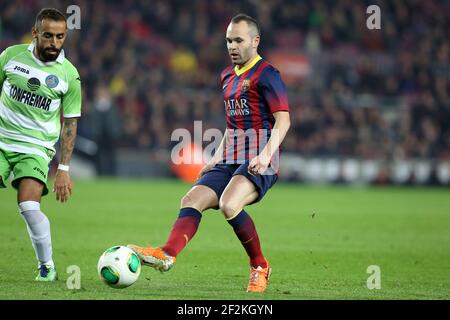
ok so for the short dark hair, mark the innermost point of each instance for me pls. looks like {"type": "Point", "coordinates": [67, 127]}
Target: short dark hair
{"type": "Point", "coordinates": [49, 13]}
{"type": "Point", "coordinates": [245, 17]}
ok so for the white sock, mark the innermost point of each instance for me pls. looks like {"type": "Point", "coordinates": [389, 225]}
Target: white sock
{"type": "Point", "coordinates": [38, 228]}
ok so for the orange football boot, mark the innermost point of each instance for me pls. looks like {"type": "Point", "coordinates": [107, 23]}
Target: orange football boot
{"type": "Point", "coordinates": [258, 278]}
{"type": "Point", "coordinates": [154, 257]}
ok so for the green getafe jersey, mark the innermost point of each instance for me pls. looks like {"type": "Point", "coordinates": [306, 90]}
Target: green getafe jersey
{"type": "Point", "coordinates": [32, 98]}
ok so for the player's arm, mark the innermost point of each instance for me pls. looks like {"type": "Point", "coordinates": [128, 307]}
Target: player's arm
{"type": "Point", "coordinates": [260, 163]}
{"type": "Point", "coordinates": [72, 111]}
{"type": "Point", "coordinates": [63, 183]}
{"type": "Point", "coordinates": [218, 156]}
{"type": "Point", "coordinates": [273, 91]}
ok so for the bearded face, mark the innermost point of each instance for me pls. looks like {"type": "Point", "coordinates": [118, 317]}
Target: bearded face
{"type": "Point", "coordinates": [49, 36]}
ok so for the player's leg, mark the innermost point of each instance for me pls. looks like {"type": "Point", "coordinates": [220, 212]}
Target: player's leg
{"type": "Point", "coordinates": [239, 193]}
{"type": "Point", "coordinates": [202, 196]}
{"type": "Point", "coordinates": [198, 199]}
{"type": "Point", "coordinates": [245, 189]}
{"type": "Point", "coordinates": [30, 180]}
{"type": "Point", "coordinates": [38, 226]}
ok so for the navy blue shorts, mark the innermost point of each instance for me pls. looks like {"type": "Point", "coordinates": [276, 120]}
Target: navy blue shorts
{"type": "Point", "coordinates": [219, 176]}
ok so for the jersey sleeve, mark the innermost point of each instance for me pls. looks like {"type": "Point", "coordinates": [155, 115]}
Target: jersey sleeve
{"type": "Point", "coordinates": [273, 90]}
{"type": "Point", "coordinates": [71, 101]}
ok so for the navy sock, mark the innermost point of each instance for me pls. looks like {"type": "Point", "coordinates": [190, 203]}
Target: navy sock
{"type": "Point", "coordinates": [246, 232]}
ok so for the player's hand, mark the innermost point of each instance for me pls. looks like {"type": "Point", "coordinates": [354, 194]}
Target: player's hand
{"type": "Point", "coordinates": [62, 186]}
{"type": "Point", "coordinates": [206, 168]}
{"type": "Point", "coordinates": [258, 165]}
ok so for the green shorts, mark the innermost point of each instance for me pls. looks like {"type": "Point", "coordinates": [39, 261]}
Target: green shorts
{"type": "Point", "coordinates": [23, 166]}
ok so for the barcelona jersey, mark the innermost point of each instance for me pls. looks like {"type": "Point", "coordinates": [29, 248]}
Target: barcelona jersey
{"type": "Point", "coordinates": [251, 95]}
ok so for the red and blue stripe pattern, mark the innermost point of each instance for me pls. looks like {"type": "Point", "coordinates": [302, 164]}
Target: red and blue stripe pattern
{"type": "Point", "coordinates": [250, 99]}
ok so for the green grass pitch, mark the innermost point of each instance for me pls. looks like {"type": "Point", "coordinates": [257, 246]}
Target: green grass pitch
{"type": "Point", "coordinates": [319, 240]}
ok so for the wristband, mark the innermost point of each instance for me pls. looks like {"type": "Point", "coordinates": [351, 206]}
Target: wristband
{"type": "Point", "coordinates": [63, 167]}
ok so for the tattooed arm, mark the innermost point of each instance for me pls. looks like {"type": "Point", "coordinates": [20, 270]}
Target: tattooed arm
{"type": "Point", "coordinates": [63, 183]}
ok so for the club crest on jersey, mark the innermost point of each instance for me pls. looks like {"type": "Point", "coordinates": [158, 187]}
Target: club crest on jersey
{"type": "Point", "coordinates": [245, 85]}
{"type": "Point", "coordinates": [51, 81]}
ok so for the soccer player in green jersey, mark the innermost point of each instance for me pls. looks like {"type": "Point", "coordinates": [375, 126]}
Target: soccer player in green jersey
{"type": "Point", "coordinates": [38, 84]}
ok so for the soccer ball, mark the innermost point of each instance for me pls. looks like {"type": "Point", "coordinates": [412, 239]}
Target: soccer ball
{"type": "Point", "coordinates": [119, 267]}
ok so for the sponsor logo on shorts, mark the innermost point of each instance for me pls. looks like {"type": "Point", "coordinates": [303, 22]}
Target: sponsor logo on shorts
{"type": "Point", "coordinates": [40, 171]}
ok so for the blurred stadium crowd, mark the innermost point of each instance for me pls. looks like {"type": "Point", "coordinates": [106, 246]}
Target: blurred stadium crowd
{"type": "Point", "coordinates": [149, 67]}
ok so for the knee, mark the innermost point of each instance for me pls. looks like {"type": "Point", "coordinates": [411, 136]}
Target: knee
{"type": "Point", "coordinates": [229, 208]}
{"type": "Point", "coordinates": [30, 190]}
{"type": "Point", "coordinates": [188, 201]}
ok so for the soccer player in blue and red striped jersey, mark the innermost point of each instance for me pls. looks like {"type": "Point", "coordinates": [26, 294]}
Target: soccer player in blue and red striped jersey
{"type": "Point", "coordinates": [245, 165]}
